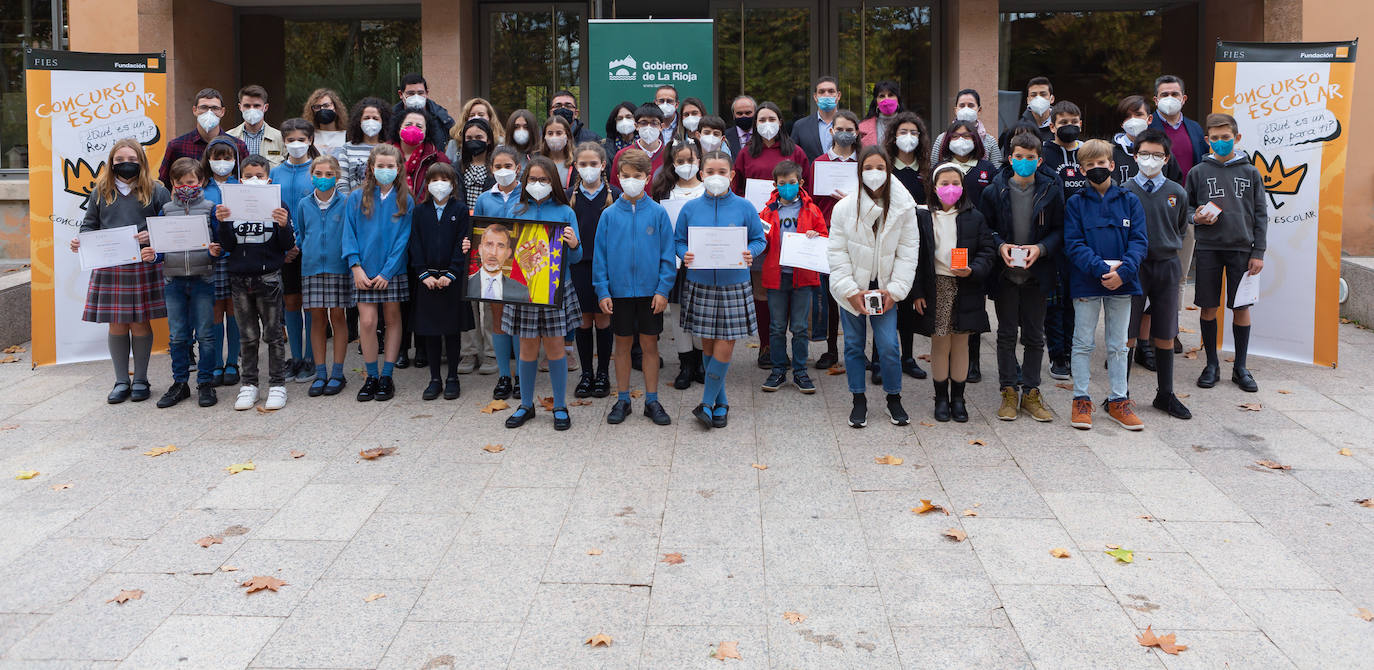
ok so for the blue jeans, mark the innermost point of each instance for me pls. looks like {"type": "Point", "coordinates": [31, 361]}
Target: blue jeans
{"type": "Point", "coordinates": [191, 315]}
{"type": "Point", "coordinates": [1116, 311]}
{"type": "Point", "coordinates": [788, 304]}
{"type": "Point", "coordinates": [884, 339]}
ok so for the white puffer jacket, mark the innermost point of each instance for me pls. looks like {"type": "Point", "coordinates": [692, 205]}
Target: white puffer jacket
{"type": "Point", "coordinates": [853, 260]}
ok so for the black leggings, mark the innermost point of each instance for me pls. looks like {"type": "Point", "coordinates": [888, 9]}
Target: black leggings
{"type": "Point", "coordinates": [432, 349]}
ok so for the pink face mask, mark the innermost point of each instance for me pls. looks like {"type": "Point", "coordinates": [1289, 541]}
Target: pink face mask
{"type": "Point", "coordinates": [949, 193]}
{"type": "Point", "coordinates": [412, 135]}
{"type": "Point", "coordinates": [888, 106]}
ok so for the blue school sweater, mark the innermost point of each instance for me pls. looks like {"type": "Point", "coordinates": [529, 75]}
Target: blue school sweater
{"type": "Point", "coordinates": [716, 211]}
{"type": "Point", "coordinates": [319, 234]}
{"type": "Point", "coordinates": [295, 181]}
{"type": "Point", "coordinates": [550, 211]}
{"type": "Point", "coordinates": [376, 242]}
{"type": "Point", "coordinates": [494, 203]}
{"type": "Point", "coordinates": [212, 192]}
{"type": "Point", "coordinates": [635, 256]}
{"type": "Point", "coordinates": [1098, 227]}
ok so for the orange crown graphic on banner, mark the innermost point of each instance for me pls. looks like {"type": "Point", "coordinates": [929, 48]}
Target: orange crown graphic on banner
{"type": "Point", "coordinates": [78, 178]}
{"type": "Point", "coordinates": [1277, 180]}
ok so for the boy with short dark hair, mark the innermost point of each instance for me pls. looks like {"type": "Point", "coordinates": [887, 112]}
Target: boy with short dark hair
{"type": "Point", "coordinates": [634, 266]}
{"type": "Point", "coordinates": [789, 210]}
{"type": "Point", "coordinates": [1165, 203]}
{"type": "Point", "coordinates": [190, 290]}
{"type": "Point", "coordinates": [208, 106]}
{"type": "Point", "coordinates": [1039, 99]}
{"type": "Point", "coordinates": [1061, 158]}
{"type": "Point", "coordinates": [1231, 221]}
{"type": "Point", "coordinates": [649, 126]}
{"type": "Point", "coordinates": [260, 138]}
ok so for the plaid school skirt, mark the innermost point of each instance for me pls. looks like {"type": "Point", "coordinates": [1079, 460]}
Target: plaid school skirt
{"type": "Point", "coordinates": [397, 290]}
{"type": "Point", "coordinates": [222, 278]}
{"type": "Point", "coordinates": [327, 290]}
{"type": "Point", "coordinates": [125, 294]}
{"type": "Point", "coordinates": [529, 321]}
{"type": "Point", "coordinates": [718, 312]}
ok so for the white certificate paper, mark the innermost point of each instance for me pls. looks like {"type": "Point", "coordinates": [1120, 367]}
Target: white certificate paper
{"type": "Point", "coordinates": [251, 203]}
{"type": "Point", "coordinates": [178, 233]}
{"type": "Point", "coordinates": [717, 248]}
{"type": "Point", "coordinates": [831, 176]}
{"type": "Point", "coordinates": [1247, 293]}
{"type": "Point", "coordinates": [757, 192]}
{"type": "Point", "coordinates": [799, 251]}
{"type": "Point", "coordinates": [108, 248]}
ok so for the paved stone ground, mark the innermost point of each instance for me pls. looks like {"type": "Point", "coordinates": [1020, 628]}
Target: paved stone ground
{"type": "Point", "coordinates": [484, 558]}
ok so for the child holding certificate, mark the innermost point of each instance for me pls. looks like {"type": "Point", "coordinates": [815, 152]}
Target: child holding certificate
{"type": "Point", "coordinates": [790, 210]}
{"type": "Point", "coordinates": [718, 305]}
{"type": "Point", "coordinates": [957, 254]}
{"type": "Point", "coordinates": [220, 162]}
{"type": "Point", "coordinates": [127, 297]}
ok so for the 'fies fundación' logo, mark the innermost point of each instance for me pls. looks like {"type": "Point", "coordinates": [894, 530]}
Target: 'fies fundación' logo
{"type": "Point", "coordinates": [624, 69]}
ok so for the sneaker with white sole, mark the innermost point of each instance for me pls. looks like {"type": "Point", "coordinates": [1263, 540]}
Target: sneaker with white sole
{"type": "Point", "coordinates": [248, 397]}
{"type": "Point", "coordinates": [276, 398]}
{"type": "Point", "coordinates": [488, 367]}
{"type": "Point", "coordinates": [468, 365]}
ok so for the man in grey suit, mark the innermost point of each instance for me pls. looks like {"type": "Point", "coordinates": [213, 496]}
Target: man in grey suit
{"type": "Point", "coordinates": [812, 133]}
{"type": "Point", "coordinates": [489, 282]}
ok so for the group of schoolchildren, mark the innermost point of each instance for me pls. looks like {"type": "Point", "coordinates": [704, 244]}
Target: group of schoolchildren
{"type": "Point", "coordinates": [374, 227]}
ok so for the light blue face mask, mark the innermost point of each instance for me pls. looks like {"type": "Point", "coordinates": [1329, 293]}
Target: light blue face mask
{"type": "Point", "coordinates": [1223, 147]}
{"type": "Point", "coordinates": [788, 192]}
{"type": "Point", "coordinates": [384, 176]}
{"type": "Point", "coordinates": [827, 102]}
{"type": "Point", "coordinates": [1024, 167]}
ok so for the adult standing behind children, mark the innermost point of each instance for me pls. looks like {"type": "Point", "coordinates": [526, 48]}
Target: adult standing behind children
{"type": "Point", "coordinates": [325, 110]}
{"type": "Point", "coordinates": [1187, 137]}
{"type": "Point", "coordinates": [209, 109]}
{"type": "Point", "coordinates": [414, 95]}
{"type": "Point", "coordinates": [369, 125]}
{"type": "Point", "coordinates": [813, 133]}
{"type": "Point", "coordinates": [260, 138]}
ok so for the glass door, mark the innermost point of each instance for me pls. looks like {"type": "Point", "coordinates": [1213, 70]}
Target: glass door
{"type": "Point", "coordinates": [765, 51]}
{"type": "Point", "coordinates": [532, 51]}
{"type": "Point", "coordinates": [885, 40]}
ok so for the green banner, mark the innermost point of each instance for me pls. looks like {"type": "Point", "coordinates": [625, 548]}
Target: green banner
{"type": "Point", "coordinates": [630, 59]}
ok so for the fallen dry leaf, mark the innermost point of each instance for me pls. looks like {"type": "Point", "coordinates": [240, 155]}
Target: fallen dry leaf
{"type": "Point", "coordinates": [726, 650]}
{"type": "Point", "coordinates": [751, 345]}
{"type": "Point", "coordinates": [1062, 385]}
{"type": "Point", "coordinates": [760, 466]}
{"type": "Point", "coordinates": [1123, 555]}
{"type": "Point", "coordinates": [264, 410]}
{"type": "Point", "coordinates": [636, 393]}
{"type": "Point", "coordinates": [261, 582]}
{"type": "Point", "coordinates": [888, 459]}
{"type": "Point", "coordinates": [956, 534]}
{"type": "Point", "coordinates": [126, 595]}
{"type": "Point", "coordinates": [1113, 546]}
{"type": "Point", "coordinates": [835, 371]}
{"type": "Point", "coordinates": [9, 359]}
{"type": "Point", "coordinates": [1191, 353]}
{"type": "Point", "coordinates": [158, 451]}
{"type": "Point", "coordinates": [494, 448]}
{"type": "Point", "coordinates": [599, 640]}
{"type": "Point", "coordinates": [60, 487]}
{"type": "Point", "coordinates": [1059, 552]}
{"type": "Point", "coordinates": [1250, 406]}
{"type": "Point", "coordinates": [234, 531]}
{"type": "Point", "coordinates": [376, 452]}
{"type": "Point", "coordinates": [1164, 642]}
{"type": "Point", "coordinates": [1191, 308]}
{"type": "Point", "coordinates": [15, 349]}
{"type": "Point", "coordinates": [1272, 465]}
{"type": "Point", "coordinates": [1366, 614]}
{"type": "Point", "coordinates": [580, 402]}
{"type": "Point", "coordinates": [240, 467]}
{"type": "Point", "coordinates": [1187, 330]}
{"type": "Point", "coordinates": [969, 512]}
{"type": "Point", "coordinates": [546, 403]}
{"type": "Point", "coordinates": [924, 357]}
{"type": "Point", "coordinates": [26, 474]}
{"type": "Point", "coordinates": [673, 558]}
{"type": "Point", "coordinates": [374, 596]}
{"type": "Point", "coordinates": [9, 426]}
{"type": "Point", "coordinates": [1181, 396]}
{"type": "Point", "coordinates": [1146, 517]}
{"type": "Point", "coordinates": [1285, 392]}
{"type": "Point", "coordinates": [927, 424]}
{"type": "Point", "coordinates": [793, 617]}
{"type": "Point", "coordinates": [978, 443]}
{"type": "Point", "coordinates": [1365, 502]}
{"type": "Point", "coordinates": [1345, 451]}
{"type": "Point", "coordinates": [297, 454]}
{"type": "Point", "coordinates": [229, 568]}
{"type": "Point", "coordinates": [208, 540]}
{"type": "Point", "coordinates": [593, 552]}
{"type": "Point", "coordinates": [495, 406]}
{"type": "Point", "coordinates": [927, 506]}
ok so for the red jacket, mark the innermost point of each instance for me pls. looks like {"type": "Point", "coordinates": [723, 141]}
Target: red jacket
{"type": "Point", "coordinates": [809, 219]}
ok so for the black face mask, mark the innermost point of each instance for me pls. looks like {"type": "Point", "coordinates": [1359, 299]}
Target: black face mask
{"type": "Point", "coordinates": [564, 112]}
{"type": "Point", "coordinates": [745, 123]}
{"type": "Point", "coordinates": [1099, 175]}
{"type": "Point", "coordinates": [1067, 134]}
{"type": "Point", "coordinates": [474, 147]}
{"type": "Point", "coordinates": [126, 171]}
{"type": "Point", "coordinates": [325, 117]}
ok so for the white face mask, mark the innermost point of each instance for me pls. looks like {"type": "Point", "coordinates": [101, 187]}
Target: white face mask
{"type": "Point", "coordinates": [769, 129]}
{"type": "Point", "coordinates": [1039, 105]}
{"type": "Point", "coordinates": [504, 176]}
{"type": "Point", "coordinates": [589, 174]}
{"type": "Point", "coordinates": [717, 184]}
{"type": "Point", "coordinates": [521, 137]}
{"type": "Point", "coordinates": [440, 189]}
{"type": "Point", "coordinates": [1134, 126]}
{"type": "Point", "coordinates": [686, 170]}
{"type": "Point", "coordinates": [208, 121]}
{"type": "Point", "coordinates": [874, 179]}
{"type": "Point", "coordinates": [907, 142]}
{"type": "Point", "coordinates": [1149, 165]}
{"type": "Point", "coordinates": [538, 190]}
{"type": "Point", "coordinates": [709, 142]}
{"type": "Point", "coordinates": [371, 127]}
{"type": "Point", "coordinates": [255, 181]}
{"type": "Point", "coordinates": [691, 122]}
{"type": "Point", "coordinates": [415, 101]}
{"type": "Point", "coordinates": [649, 134]}
{"type": "Point", "coordinates": [625, 126]}
{"type": "Point", "coordinates": [252, 116]}
{"type": "Point", "coordinates": [667, 108]}
{"type": "Point", "coordinates": [632, 187]}
{"type": "Point", "coordinates": [966, 114]}
{"type": "Point", "coordinates": [556, 142]}
{"type": "Point", "coordinates": [1169, 106]}
{"type": "Point", "coordinates": [960, 146]}
{"type": "Point", "coordinates": [221, 168]}
{"type": "Point", "coordinates": [297, 149]}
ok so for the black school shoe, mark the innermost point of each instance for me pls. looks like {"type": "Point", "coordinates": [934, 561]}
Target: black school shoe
{"type": "Point", "coordinates": [1242, 378]}
{"type": "Point", "coordinates": [208, 396]}
{"type": "Point", "coordinates": [912, 369]}
{"type": "Point", "coordinates": [656, 413]}
{"type": "Point", "coordinates": [369, 390]}
{"type": "Point", "coordinates": [515, 392]}
{"type": "Point", "coordinates": [518, 418]}
{"type": "Point", "coordinates": [118, 394]}
{"type": "Point", "coordinates": [1171, 405]}
{"type": "Point", "coordinates": [502, 390]}
{"type": "Point", "coordinates": [895, 411]}
{"type": "Point", "coordinates": [722, 419]}
{"type": "Point", "coordinates": [584, 385]}
{"type": "Point", "coordinates": [452, 388]}
{"type": "Point", "coordinates": [975, 372]}
{"type": "Point", "coordinates": [403, 361]}
{"type": "Point", "coordinates": [1145, 357]}
{"type": "Point", "coordinates": [619, 411]}
{"type": "Point", "coordinates": [703, 415]}
{"type": "Point", "coordinates": [140, 390]}
{"type": "Point", "coordinates": [562, 419]}
{"type": "Point", "coordinates": [176, 393]}
{"type": "Point", "coordinates": [1211, 374]}
{"type": "Point", "coordinates": [601, 385]}
{"type": "Point", "coordinates": [827, 360]}
{"type": "Point", "coordinates": [231, 375]}
{"type": "Point", "coordinates": [386, 389]}
{"type": "Point", "coordinates": [433, 390]}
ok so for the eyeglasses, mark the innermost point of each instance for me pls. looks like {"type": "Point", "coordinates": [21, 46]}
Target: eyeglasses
{"type": "Point", "coordinates": [201, 109]}
{"type": "Point", "coordinates": [327, 104]}
{"type": "Point", "coordinates": [652, 124]}
{"type": "Point", "coordinates": [1150, 154]}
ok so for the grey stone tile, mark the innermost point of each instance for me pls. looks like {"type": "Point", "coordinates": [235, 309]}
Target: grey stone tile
{"type": "Point", "coordinates": [738, 473]}
{"type": "Point", "coordinates": [335, 626]}
{"type": "Point", "coordinates": [953, 647]}
{"type": "Point", "coordinates": [483, 582]}
{"type": "Point", "coordinates": [628, 549]}
{"type": "Point", "coordinates": [137, 512]}
{"type": "Point", "coordinates": [408, 545]}
{"type": "Point", "coordinates": [269, 486]}
{"type": "Point", "coordinates": [816, 551]}
{"type": "Point", "coordinates": [1098, 519]}
{"type": "Point", "coordinates": [936, 585]}
{"type": "Point", "coordinates": [844, 628]}
{"type": "Point", "coordinates": [1343, 428]}
{"type": "Point", "coordinates": [565, 615]}
{"type": "Point", "coordinates": [692, 646]}
{"type": "Point", "coordinates": [889, 523]}
{"type": "Point", "coordinates": [91, 628]}
{"type": "Point", "coordinates": [1235, 553]}
{"type": "Point", "coordinates": [1221, 649]}
{"type": "Point", "coordinates": [803, 491]}
{"type": "Point", "coordinates": [867, 475]}
{"type": "Point", "coordinates": [442, 645]}
{"type": "Point", "coordinates": [712, 518]}
{"type": "Point", "coordinates": [174, 548]}
{"type": "Point", "coordinates": [1180, 495]}
{"type": "Point", "coordinates": [992, 492]}
{"type": "Point", "coordinates": [1335, 548]}
{"type": "Point", "coordinates": [1141, 451]}
{"type": "Point", "coordinates": [1017, 551]}
{"type": "Point", "coordinates": [440, 487]}
{"type": "Point", "coordinates": [630, 491]}
{"type": "Point", "coordinates": [1315, 629]}
{"type": "Point", "coordinates": [953, 450]}
{"type": "Point", "coordinates": [324, 512]}
{"type": "Point", "coordinates": [538, 467]}
{"type": "Point", "coordinates": [1168, 591]}
{"type": "Point", "coordinates": [1063, 626]}
{"type": "Point", "coordinates": [1065, 470]}
{"type": "Point", "coordinates": [299, 563]}
{"type": "Point", "coordinates": [517, 516]}
{"type": "Point", "coordinates": [209, 642]}
{"type": "Point", "coordinates": [13, 628]}
{"type": "Point", "coordinates": [56, 570]}
{"type": "Point", "coordinates": [716, 586]}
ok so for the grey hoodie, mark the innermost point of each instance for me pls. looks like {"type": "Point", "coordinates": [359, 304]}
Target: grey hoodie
{"type": "Point", "coordinates": [1235, 187]}
{"type": "Point", "coordinates": [190, 263]}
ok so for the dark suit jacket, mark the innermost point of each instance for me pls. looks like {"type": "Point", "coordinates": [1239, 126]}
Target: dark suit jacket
{"type": "Point", "coordinates": [511, 290]}
{"type": "Point", "coordinates": [806, 133]}
{"type": "Point", "coordinates": [732, 139]}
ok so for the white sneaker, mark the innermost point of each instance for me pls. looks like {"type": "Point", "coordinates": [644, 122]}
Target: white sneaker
{"type": "Point", "coordinates": [276, 398]}
{"type": "Point", "coordinates": [570, 353]}
{"type": "Point", "coordinates": [467, 365]}
{"type": "Point", "coordinates": [488, 367]}
{"type": "Point", "coordinates": [248, 397]}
